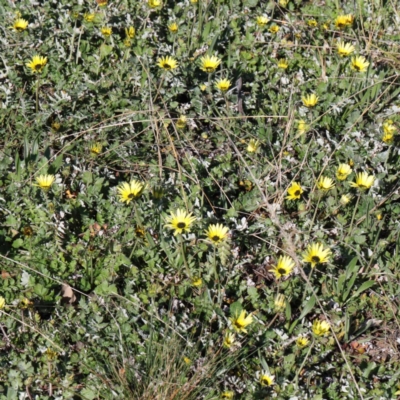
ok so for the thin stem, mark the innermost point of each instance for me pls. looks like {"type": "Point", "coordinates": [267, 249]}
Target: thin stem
{"type": "Point", "coordinates": [183, 251]}
{"type": "Point", "coordinates": [315, 212]}
{"type": "Point", "coordinates": [37, 94]}
{"type": "Point", "coordinates": [302, 364]}
{"type": "Point", "coordinates": [354, 214]}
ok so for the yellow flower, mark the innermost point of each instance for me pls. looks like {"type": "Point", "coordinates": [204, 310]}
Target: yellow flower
{"type": "Point", "coordinates": [181, 122]}
{"type": "Point", "coordinates": [343, 171]}
{"type": "Point", "coordinates": [342, 21]}
{"type": "Point", "coordinates": [344, 49]}
{"type": "Point", "coordinates": [379, 216]}
{"type": "Point", "coordinates": [227, 395]}
{"type": "Point", "coordinates": [302, 127]}
{"type": "Point", "coordinates": [388, 138]}
{"type": "Point", "coordinates": [345, 199]}
{"type": "Point", "coordinates": [217, 233]}
{"type": "Point", "coordinates": [45, 181]}
{"type": "Point", "coordinates": [359, 64]}
{"type": "Point", "coordinates": [267, 379]}
{"type": "Point", "coordinates": [302, 341]}
{"type": "Point", "coordinates": [127, 42]}
{"type": "Point", "coordinates": [106, 31]}
{"type": "Point", "coordinates": [262, 20]}
{"type": "Point", "coordinates": [96, 148]}
{"type": "Point", "coordinates": [223, 84]}
{"type": "Point", "coordinates": [312, 23]}
{"type": "Point", "coordinates": [316, 254]}
{"type": "Point", "coordinates": [154, 3]}
{"type": "Point", "coordinates": [51, 354]}
{"type": "Point", "coordinates": [89, 17]}
{"type": "Point", "coordinates": [284, 267]}
{"type": "Point", "coordinates": [325, 183]}
{"type": "Point", "coordinates": [279, 302]}
{"type": "Point", "coordinates": [180, 221]}
{"type": "Point", "coordinates": [283, 3]}
{"type": "Point", "coordinates": [196, 282]}
{"type": "Point", "coordinates": [20, 24]}
{"type": "Point", "coordinates": [239, 322]}
{"type": "Point", "coordinates": [130, 32]}
{"type": "Point", "coordinates": [209, 63]}
{"type": "Point", "coordinates": [320, 328]}
{"type": "Point", "coordinates": [187, 360]}
{"type": "Point", "coordinates": [363, 181]}
{"type": "Point", "coordinates": [194, 1]}
{"type": "Point", "coordinates": [274, 29]}
{"type": "Point", "coordinates": [283, 63]}
{"type": "Point", "coordinates": [167, 63]}
{"type": "Point", "coordinates": [310, 101]}
{"type": "Point", "coordinates": [253, 145]}
{"type": "Point", "coordinates": [56, 126]}
{"type": "Point", "coordinates": [173, 27]}
{"type": "Point", "coordinates": [130, 191]}
{"type": "Point", "coordinates": [229, 340]}
{"type": "Point", "coordinates": [294, 192]}
{"type": "Point", "coordinates": [2, 302]}
{"type": "Point", "coordinates": [389, 128]}
{"type": "Point", "coordinates": [37, 64]}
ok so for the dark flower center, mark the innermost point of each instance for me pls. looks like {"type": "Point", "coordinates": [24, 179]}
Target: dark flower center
{"type": "Point", "coordinates": [181, 225]}
{"type": "Point", "coordinates": [315, 259]}
{"type": "Point", "coordinates": [37, 67]}
{"type": "Point", "coordinates": [131, 196]}
{"type": "Point", "coordinates": [282, 271]}
{"type": "Point", "coordinates": [215, 238]}
{"type": "Point", "coordinates": [209, 69]}
{"type": "Point", "coordinates": [297, 193]}
{"type": "Point", "coordinates": [167, 66]}
{"type": "Point", "coordinates": [357, 67]}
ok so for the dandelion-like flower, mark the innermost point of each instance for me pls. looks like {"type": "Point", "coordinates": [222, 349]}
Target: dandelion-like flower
{"type": "Point", "coordinates": [343, 171]}
{"type": "Point", "coordinates": [173, 27]}
{"type": "Point", "coordinates": [253, 145]}
{"type": "Point", "coordinates": [223, 84]}
{"type": "Point", "coordinates": [37, 64]}
{"type": "Point", "coordinates": [106, 31]}
{"type": "Point", "coordinates": [96, 148]}
{"type": "Point", "coordinates": [312, 23]}
{"type": "Point", "coordinates": [180, 221]}
{"type": "Point", "coordinates": [363, 181]}
{"type": "Point", "coordinates": [279, 302]}
{"type": "Point", "coordinates": [227, 395]}
{"type": "Point", "coordinates": [229, 340]}
{"type": "Point", "coordinates": [283, 3]}
{"type": "Point", "coordinates": [209, 63]}
{"type": "Point", "coordinates": [284, 266]}
{"type": "Point", "coordinates": [239, 322]}
{"type": "Point", "coordinates": [2, 302]}
{"type": "Point", "coordinates": [181, 122]}
{"type": "Point", "coordinates": [316, 254]}
{"type": "Point", "coordinates": [344, 49]}
{"type": "Point", "coordinates": [294, 192]}
{"type": "Point", "coordinates": [359, 64]}
{"type": "Point", "coordinates": [262, 20]}
{"type": "Point", "coordinates": [217, 233]}
{"type": "Point", "coordinates": [51, 354]}
{"type": "Point", "coordinates": [320, 328]}
{"type": "Point", "coordinates": [130, 32]}
{"type": "Point", "coordinates": [130, 191]}
{"type": "Point", "coordinates": [283, 63]}
{"type": "Point", "coordinates": [20, 24]}
{"type": "Point", "coordinates": [168, 63]}
{"type": "Point", "coordinates": [197, 281]}
{"type": "Point", "coordinates": [89, 17]}
{"type": "Point", "coordinates": [389, 128]}
{"type": "Point", "coordinates": [45, 181]}
{"type": "Point", "coordinates": [310, 101]}
{"type": "Point", "coordinates": [274, 29]}
{"type": "Point", "coordinates": [345, 199]}
{"type": "Point", "coordinates": [154, 3]}
{"type": "Point", "coordinates": [388, 138]}
{"type": "Point", "coordinates": [302, 342]}
{"type": "Point", "coordinates": [267, 379]}
{"type": "Point", "coordinates": [325, 183]}
{"type": "Point", "coordinates": [302, 127]}
{"type": "Point", "coordinates": [342, 21]}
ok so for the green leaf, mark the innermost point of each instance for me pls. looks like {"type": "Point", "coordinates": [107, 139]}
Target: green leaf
{"type": "Point", "coordinates": [105, 50]}
{"type": "Point", "coordinates": [366, 285]}
{"type": "Point", "coordinates": [308, 307]}
{"type": "Point", "coordinates": [235, 308]}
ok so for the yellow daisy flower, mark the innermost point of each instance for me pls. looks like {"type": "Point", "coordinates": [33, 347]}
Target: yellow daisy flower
{"type": "Point", "coordinates": [154, 3]}
{"type": "Point", "coordinates": [239, 322]}
{"type": "Point", "coordinates": [342, 21]}
{"type": "Point", "coordinates": [173, 27]}
{"type": "Point", "coordinates": [96, 148]}
{"type": "Point", "coordinates": [312, 23]}
{"type": "Point", "coordinates": [51, 354]}
{"type": "Point", "coordinates": [320, 328]}
{"type": "Point", "coordinates": [283, 63]}
{"type": "Point", "coordinates": [389, 128]}
{"type": "Point", "coordinates": [20, 24]}
{"type": "Point", "coordinates": [279, 302]}
{"type": "Point", "coordinates": [180, 221]}
{"type": "Point", "coordinates": [302, 342]}
{"type": "Point", "coordinates": [130, 191]}
{"type": "Point", "coordinates": [167, 63]}
{"type": "Point", "coordinates": [274, 29]}
{"type": "Point", "coordinates": [2, 302]}
{"type": "Point", "coordinates": [130, 32]}
{"type": "Point", "coordinates": [223, 84]}
{"type": "Point", "coordinates": [343, 171]}
{"type": "Point", "coordinates": [229, 340]}
{"type": "Point", "coordinates": [316, 254]}
{"type": "Point", "coordinates": [284, 267]}
{"type": "Point", "coordinates": [45, 181]}
{"type": "Point", "coordinates": [37, 64]}
{"type": "Point", "coordinates": [345, 199]}
{"type": "Point", "coordinates": [217, 233]}
{"type": "Point", "coordinates": [196, 282]}
{"type": "Point", "coordinates": [209, 63]}
{"type": "Point", "coordinates": [267, 379]}
{"type": "Point", "coordinates": [106, 31]}
{"type": "Point", "coordinates": [89, 17]}
{"type": "Point", "coordinates": [253, 145]}
{"type": "Point", "coordinates": [344, 49]}
{"type": "Point", "coordinates": [311, 100]}
{"type": "Point", "coordinates": [262, 20]}
{"type": "Point", "coordinates": [227, 395]}
{"type": "Point", "coordinates": [302, 127]}
{"type": "Point", "coordinates": [56, 126]}
{"type": "Point", "coordinates": [294, 192]}
{"type": "Point", "coordinates": [388, 138]}
{"type": "Point", "coordinates": [325, 183]}
{"type": "Point", "coordinates": [363, 181]}
{"type": "Point", "coordinates": [359, 64]}
{"type": "Point", "coordinates": [283, 3]}
{"type": "Point", "coordinates": [181, 122]}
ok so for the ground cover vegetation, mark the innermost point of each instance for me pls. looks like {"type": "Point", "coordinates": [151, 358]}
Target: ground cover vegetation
{"type": "Point", "coordinates": [199, 199]}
